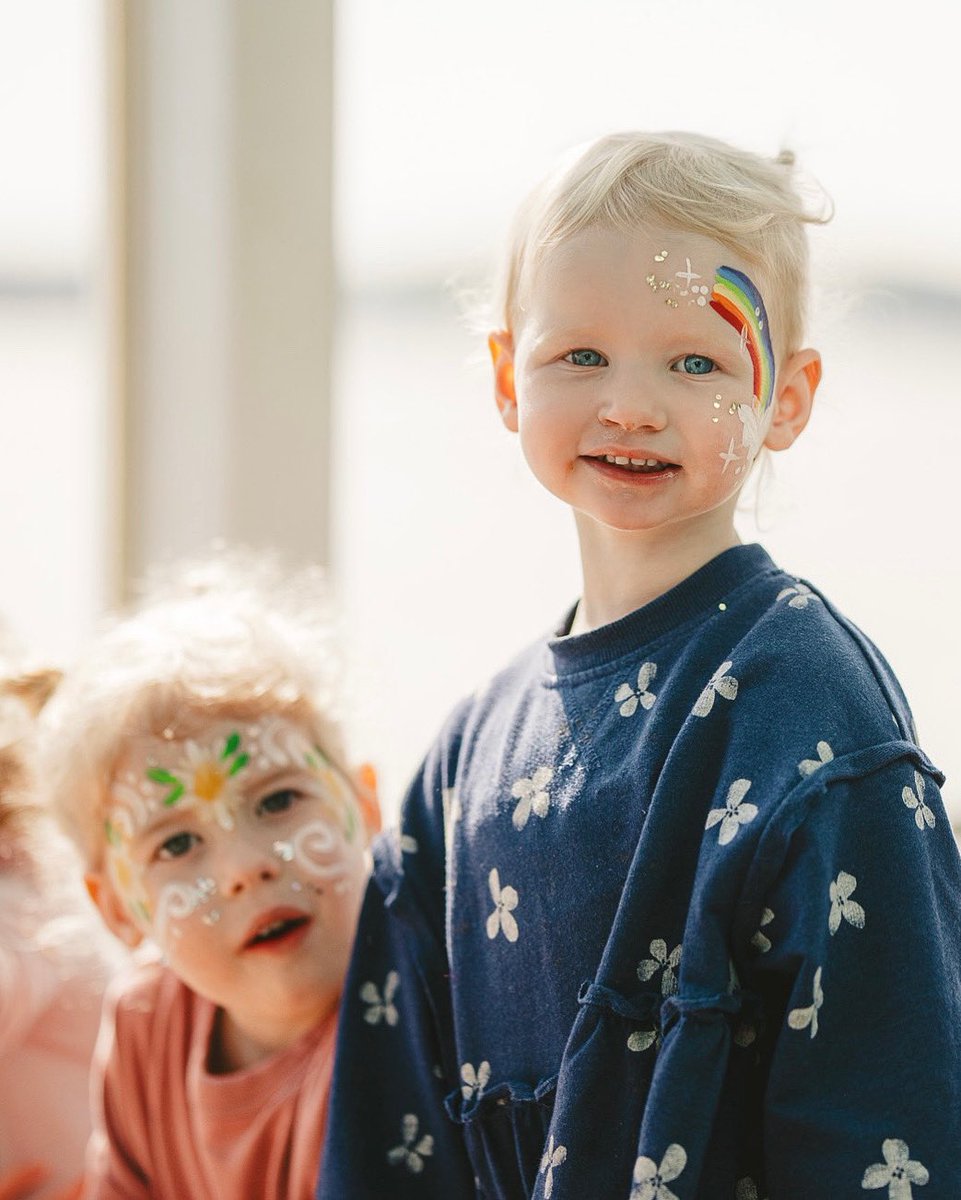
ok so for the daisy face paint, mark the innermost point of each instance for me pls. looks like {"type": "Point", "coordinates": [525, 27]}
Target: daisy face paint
{"type": "Point", "coordinates": [238, 851]}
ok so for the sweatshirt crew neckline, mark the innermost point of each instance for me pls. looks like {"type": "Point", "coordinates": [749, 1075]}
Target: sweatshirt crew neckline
{"type": "Point", "coordinates": [696, 596]}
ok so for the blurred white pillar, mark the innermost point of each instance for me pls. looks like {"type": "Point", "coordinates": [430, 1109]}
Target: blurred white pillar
{"type": "Point", "coordinates": [225, 279]}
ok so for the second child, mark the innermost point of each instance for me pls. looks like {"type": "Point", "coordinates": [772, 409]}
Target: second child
{"type": "Point", "coordinates": [194, 761]}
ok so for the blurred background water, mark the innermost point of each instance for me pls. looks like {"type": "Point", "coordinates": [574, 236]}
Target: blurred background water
{"type": "Point", "coordinates": [131, 398]}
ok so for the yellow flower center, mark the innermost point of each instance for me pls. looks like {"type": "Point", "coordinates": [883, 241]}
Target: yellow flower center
{"type": "Point", "coordinates": [209, 782]}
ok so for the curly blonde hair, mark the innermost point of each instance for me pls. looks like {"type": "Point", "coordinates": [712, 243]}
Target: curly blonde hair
{"type": "Point", "coordinates": [232, 635]}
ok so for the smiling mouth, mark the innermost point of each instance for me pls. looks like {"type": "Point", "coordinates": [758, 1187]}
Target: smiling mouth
{"type": "Point", "coordinates": [636, 466]}
{"type": "Point", "coordinates": [276, 931]}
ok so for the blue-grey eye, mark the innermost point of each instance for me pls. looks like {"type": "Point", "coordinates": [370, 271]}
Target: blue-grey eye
{"type": "Point", "coordinates": [177, 845]}
{"type": "Point", "coordinates": [278, 802]}
{"type": "Point", "coordinates": [586, 358]}
{"type": "Point", "coordinates": [695, 364]}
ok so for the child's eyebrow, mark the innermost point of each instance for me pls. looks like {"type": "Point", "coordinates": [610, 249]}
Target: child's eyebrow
{"type": "Point", "coordinates": [164, 822]}
{"type": "Point", "coordinates": [259, 778]}
{"type": "Point", "coordinates": [561, 331]}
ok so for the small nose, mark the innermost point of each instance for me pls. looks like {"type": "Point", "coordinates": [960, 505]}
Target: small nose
{"type": "Point", "coordinates": [244, 867]}
{"type": "Point", "coordinates": [630, 403]}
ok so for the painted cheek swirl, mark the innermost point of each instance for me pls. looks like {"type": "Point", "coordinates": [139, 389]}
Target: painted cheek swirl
{"type": "Point", "coordinates": [317, 850]}
{"type": "Point", "coordinates": [738, 301]}
{"type": "Point", "coordinates": [181, 900]}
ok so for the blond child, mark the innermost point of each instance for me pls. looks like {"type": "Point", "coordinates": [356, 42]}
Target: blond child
{"type": "Point", "coordinates": [675, 912]}
{"type": "Point", "coordinates": [194, 760]}
{"type": "Point", "coordinates": [55, 962]}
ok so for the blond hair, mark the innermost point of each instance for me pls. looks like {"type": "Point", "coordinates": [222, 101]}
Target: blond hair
{"type": "Point", "coordinates": [683, 181]}
{"type": "Point", "coordinates": [234, 635]}
{"type": "Point", "coordinates": [23, 694]}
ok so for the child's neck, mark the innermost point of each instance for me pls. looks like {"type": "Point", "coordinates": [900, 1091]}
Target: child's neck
{"type": "Point", "coordinates": [623, 571]}
{"type": "Point", "coordinates": [235, 1047]}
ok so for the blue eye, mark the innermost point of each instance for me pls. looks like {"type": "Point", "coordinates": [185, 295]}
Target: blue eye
{"type": "Point", "coordinates": [176, 846]}
{"type": "Point", "coordinates": [586, 358]}
{"type": "Point", "coordinates": [695, 364]}
{"type": "Point", "coordinates": [278, 802]}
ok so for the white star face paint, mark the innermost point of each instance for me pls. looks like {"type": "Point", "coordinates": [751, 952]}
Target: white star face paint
{"type": "Point", "coordinates": [242, 853]}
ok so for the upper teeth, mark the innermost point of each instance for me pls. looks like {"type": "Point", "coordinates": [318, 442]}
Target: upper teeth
{"type": "Point", "coordinates": [634, 462]}
{"type": "Point", "coordinates": [271, 928]}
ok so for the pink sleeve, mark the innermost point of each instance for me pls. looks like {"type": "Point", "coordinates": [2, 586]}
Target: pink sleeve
{"type": "Point", "coordinates": [118, 1156]}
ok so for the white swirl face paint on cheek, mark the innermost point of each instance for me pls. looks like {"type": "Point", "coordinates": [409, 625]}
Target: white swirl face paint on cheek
{"type": "Point", "coordinates": [181, 900]}
{"type": "Point", "coordinates": [317, 850]}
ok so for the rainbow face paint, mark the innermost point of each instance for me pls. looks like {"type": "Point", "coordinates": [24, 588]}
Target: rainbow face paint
{"type": "Point", "coordinates": [737, 300]}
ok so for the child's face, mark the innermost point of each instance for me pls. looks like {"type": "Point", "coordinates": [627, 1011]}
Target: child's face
{"type": "Point", "coordinates": [643, 378]}
{"type": "Point", "coordinates": [242, 853]}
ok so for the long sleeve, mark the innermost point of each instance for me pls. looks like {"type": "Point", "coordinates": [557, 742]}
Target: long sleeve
{"type": "Point", "coordinates": [117, 1157]}
{"type": "Point", "coordinates": [388, 1133]}
{"type": "Point", "coordinates": [861, 932]}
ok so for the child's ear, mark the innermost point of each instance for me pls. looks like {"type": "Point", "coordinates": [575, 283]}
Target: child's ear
{"type": "Point", "coordinates": [365, 780]}
{"type": "Point", "coordinates": [501, 344]}
{"type": "Point", "coordinates": [115, 916]}
{"type": "Point", "coordinates": [799, 377]}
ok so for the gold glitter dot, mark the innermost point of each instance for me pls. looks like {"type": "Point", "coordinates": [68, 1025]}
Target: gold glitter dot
{"type": "Point", "coordinates": [733, 409]}
{"type": "Point", "coordinates": [663, 283]}
{"type": "Point", "coordinates": [671, 303]}
{"type": "Point", "coordinates": [718, 396]}
{"type": "Point", "coordinates": [716, 405]}
{"type": "Point", "coordinates": [715, 419]}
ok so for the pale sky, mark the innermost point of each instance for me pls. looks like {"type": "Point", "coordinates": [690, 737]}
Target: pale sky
{"type": "Point", "coordinates": [446, 113]}
{"type": "Point", "coordinates": [49, 136]}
